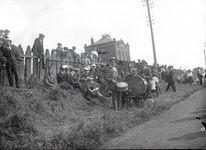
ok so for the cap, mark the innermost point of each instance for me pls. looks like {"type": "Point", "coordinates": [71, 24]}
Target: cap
{"type": "Point", "coordinates": [65, 48]}
{"type": "Point", "coordinates": [1, 31]}
{"type": "Point", "coordinates": [86, 68]}
{"type": "Point", "coordinates": [59, 44]}
{"type": "Point", "coordinates": [93, 65]}
{"type": "Point", "coordinates": [6, 30]}
{"type": "Point", "coordinates": [112, 58]}
{"type": "Point", "coordinates": [40, 34]}
{"type": "Point", "coordinates": [8, 40]}
{"type": "Point", "coordinates": [143, 61]}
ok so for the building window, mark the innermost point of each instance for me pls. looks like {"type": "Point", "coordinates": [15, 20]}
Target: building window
{"type": "Point", "coordinates": [119, 55]}
{"type": "Point", "coordinates": [122, 55]}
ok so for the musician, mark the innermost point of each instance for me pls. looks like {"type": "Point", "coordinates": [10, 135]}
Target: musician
{"type": "Point", "coordinates": [112, 77]}
{"type": "Point", "coordinates": [123, 75]}
{"type": "Point", "coordinates": [145, 73]}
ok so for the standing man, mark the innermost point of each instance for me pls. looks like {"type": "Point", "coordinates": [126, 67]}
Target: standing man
{"type": "Point", "coordinates": [38, 48]}
{"type": "Point", "coordinates": [199, 75]}
{"type": "Point", "coordinates": [171, 79]}
{"type": "Point", "coordinates": [12, 57]}
{"type": "Point", "coordinates": [190, 76]}
{"type": "Point", "coordinates": [85, 61]}
{"type": "Point", "coordinates": [112, 77]}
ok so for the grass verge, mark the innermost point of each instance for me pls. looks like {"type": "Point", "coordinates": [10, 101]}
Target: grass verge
{"type": "Point", "coordinates": [43, 118]}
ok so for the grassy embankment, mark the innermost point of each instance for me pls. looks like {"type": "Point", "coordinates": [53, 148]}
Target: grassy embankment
{"type": "Point", "coordinates": [43, 118]}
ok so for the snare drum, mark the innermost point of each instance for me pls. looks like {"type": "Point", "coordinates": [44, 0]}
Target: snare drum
{"type": "Point", "coordinates": [122, 86]}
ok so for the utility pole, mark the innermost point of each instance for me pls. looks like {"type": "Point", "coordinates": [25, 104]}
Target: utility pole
{"type": "Point", "coordinates": [205, 57]}
{"type": "Point", "coordinates": [151, 29]}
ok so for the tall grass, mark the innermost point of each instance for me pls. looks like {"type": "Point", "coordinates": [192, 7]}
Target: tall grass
{"type": "Point", "coordinates": [38, 117]}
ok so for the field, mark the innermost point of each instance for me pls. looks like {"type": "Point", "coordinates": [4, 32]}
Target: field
{"type": "Point", "coordinates": [38, 117]}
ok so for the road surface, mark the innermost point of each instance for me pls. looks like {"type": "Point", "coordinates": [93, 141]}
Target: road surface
{"type": "Point", "coordinates": [176, 128]}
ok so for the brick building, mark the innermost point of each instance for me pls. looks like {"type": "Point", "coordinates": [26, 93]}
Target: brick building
{"type": "Point", "coordinates": [108, 47]}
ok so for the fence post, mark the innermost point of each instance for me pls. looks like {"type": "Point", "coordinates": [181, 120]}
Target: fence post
{"type": "Point", "coordinates": [21, 63]}
{"type": "Point", "coordinates": [28, 63]}
{"type": "Point", "coordinates": [48, 60]}
{"type": "Point", "coordinates": [53, 61]}
{"type": "Point", "coordinates": [35, 64]}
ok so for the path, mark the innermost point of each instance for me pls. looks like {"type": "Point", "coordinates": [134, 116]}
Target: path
{"type": "Point", "coordinates": [176, 128]}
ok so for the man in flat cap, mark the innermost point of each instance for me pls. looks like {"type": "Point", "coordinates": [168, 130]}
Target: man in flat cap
{"type": "Point", "coordinates": [171, 79]}
{"type": "Point", "coordinates": [38, 47]}
{"type": "Point", "coordinates": [12, 56]}
{"type": "Point", "coordinates": [6, 33]}
{"type": "Point", "coordinates": [145, 73]}
{"type": "Point", "coordinates": [112, 77]}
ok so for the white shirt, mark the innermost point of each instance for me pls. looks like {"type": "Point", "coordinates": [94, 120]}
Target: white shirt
{"type": "Point", "coordinates": [189, 74]}
{"type": "Point", "coordinates": [153, 82]}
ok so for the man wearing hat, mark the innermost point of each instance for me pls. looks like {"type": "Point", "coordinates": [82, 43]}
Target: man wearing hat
{"type": "Point", "coordinates": [112, 77]}
{"type": "Point", "coordinates": [6, 33]}
{"type": "Point", "coordinates": [38, 47]}
{"type": "Point", "coordinates": [12, 56]}
{"type": "Point", "coordinates": [145, 73]}
{"type": "Point", "coordinates": [171, 79]}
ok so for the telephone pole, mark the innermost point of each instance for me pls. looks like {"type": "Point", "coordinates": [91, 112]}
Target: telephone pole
{"type": "Point", "coordinates": [149, 6]}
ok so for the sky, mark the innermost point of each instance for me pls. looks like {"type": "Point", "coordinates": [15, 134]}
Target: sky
{"type": "Point", "coordinates": [179, 26]}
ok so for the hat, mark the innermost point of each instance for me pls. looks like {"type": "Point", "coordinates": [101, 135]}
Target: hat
{"type": "Point", "coordinates": [8, 40]}
{"type": "Point", "coordinates": [59, 44]}
{"type": "Point", "coordinates": [169, 66]}
{"type": "Point", "coordinates": [40, 34]}
{"type": "Point", "coordinates": [143, 61]}
{"type": "Point", "coordinates": [86, 68]}
{"type": "Point", "coordinates": [93, 65]}
{"type": "Point", "coordinates": [76, 69]}
{"type": "Point", "coordinates": [65, 48]}
{"type": "Point", "coordinates": [112, 58]}
{"type": "Point", "coordinates": [2, 31]}
{"type": "Point", "coordinates": [6, 30]}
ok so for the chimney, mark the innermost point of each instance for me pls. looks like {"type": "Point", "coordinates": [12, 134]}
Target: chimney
{"type": "Point", "coordinates": [92, 41]}
{"type": "Point", "coordinates": [85, 45]}
{"type": "Point", "coordinates": [114, 39]}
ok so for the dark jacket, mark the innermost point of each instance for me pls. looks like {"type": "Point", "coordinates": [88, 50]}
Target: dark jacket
{"type": "Point", "coordinates": [11, 55]}
{"type": "Point", "coordinates": [170, 77]}
{"type": "Point", "coordinates": [146, 72]}
{"type": "Point", "coordinates": [38, 46]}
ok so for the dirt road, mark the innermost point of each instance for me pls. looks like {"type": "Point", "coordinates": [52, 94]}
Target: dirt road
{"type": "Point", "coordinates": [176, 128]}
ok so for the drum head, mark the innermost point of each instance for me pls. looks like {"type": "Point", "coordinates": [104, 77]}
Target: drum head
{"type": "Point", "coordinates": [137, 85]}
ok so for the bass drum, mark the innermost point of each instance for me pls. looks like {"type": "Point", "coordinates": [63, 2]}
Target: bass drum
{"type": "Point", "coordinates": [137, 85]}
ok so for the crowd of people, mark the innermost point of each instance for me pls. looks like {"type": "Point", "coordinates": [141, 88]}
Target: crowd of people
{"type": "Point", "coordinates": [91, 79]}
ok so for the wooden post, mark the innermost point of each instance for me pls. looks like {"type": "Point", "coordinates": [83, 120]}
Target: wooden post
{"type": "Point", "coordinates": [47, 60]}
{"type": "Point", "coordinates": [35, 64]}
{"type": "Point", "coordinates": [28, 64]}
{"type": "Point", "coordinates": [21, 63]}
{"type": "Point", "coordinates": [53, 62]}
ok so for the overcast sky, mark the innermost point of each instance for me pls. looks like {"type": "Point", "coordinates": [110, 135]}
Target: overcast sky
{"type": "Point", "coordinates": [179, 26]}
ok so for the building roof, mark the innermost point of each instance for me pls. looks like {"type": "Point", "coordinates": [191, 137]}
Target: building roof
{"type": "Point", "coordinates": [105, 38]}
